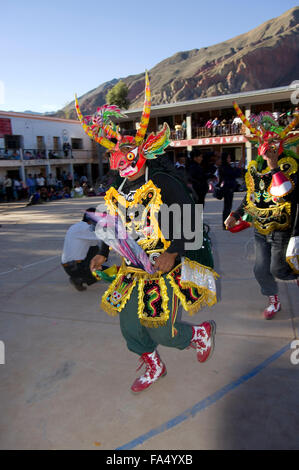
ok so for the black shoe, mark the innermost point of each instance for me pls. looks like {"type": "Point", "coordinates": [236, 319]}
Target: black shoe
{"type": "Point", "coordinates": [77, 284]}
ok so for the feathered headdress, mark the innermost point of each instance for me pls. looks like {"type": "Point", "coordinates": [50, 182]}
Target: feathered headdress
{"type": "Point", "coordinates": [266, 132]}
{"type": "Point", "coordinates": [100, 127]}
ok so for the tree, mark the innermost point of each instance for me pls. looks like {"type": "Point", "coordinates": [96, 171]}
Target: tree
{"type": "Point", "coordinates": [118, 95]}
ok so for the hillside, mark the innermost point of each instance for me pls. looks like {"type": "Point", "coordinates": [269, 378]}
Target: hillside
{"type": "Point", "coordinates": [264, 57]}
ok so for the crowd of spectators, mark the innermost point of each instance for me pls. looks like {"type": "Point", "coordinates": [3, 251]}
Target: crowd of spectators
{"type": "Point", "coordinates": [204, 171]}
{"type": "Point", "coordinates": [38, 189]}
{"type": "Point", "coordinates": [35, 154]}
{"type": "Point", "coordinates": [223, 125]}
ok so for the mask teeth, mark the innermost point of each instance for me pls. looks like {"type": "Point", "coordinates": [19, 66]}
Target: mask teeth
{"type": "Point", "coordinates": [145, 113]}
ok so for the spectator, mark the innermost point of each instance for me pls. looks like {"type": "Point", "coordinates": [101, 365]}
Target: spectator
{"type": "Point", "coordinates": [30, 182]}
{"type": "Point", "coordinates": [66, 148]}
{"type": "Point", "coordinates": [184, 127]}
{"type": "Point", "coordinates": [28, 155]}
{"type": "Point", "coordinates": [17, 189]}
{"type": "Point", "coordinates": [224, 127]}
{"type": "Point", "coordinates": [215, 126]}
{"type": "Point", "coordinates": [40, 181]}
{"type": "Point", "coordinates": [198, 177]}
{"type": "Point", "coordinates": [228, 183]}
{"type": "Point", "coordinates": [34, 198]}
{"type": "Point", "coordinates": [8, 187]}
{"type": "Point", "coordinates": [51, 181]}
{"type": "Point", "coordinates": [237, 123]}
{"type": "Point", "coordinates": [180, 167]}
{"type": "Point", "coordinates": [64, 178]}
{"type": "Point", "coordinates": [77, 191]}
{"type": "Point", "coordinates": [44, 194]}
{"type": "Point", "coordinates": [83, 179]}
{"type": "Point", "coordinates": [80, 246]}
{"type": "Point", "coordinates": [209, 126]}
{"type": "Point", "coordinates": [178, 131]}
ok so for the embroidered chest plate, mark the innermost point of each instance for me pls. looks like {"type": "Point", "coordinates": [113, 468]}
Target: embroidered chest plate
{"type": "Point", "coordinates": [138, 211]}
{"type": "Point", "coordinates": [269, 212]}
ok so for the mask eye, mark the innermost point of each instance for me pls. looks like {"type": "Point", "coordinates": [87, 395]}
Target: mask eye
{"type": "Point", "coordinates": [130, 156]}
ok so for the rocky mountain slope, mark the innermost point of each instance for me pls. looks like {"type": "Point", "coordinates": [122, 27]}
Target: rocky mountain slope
{"type": "Point", "coordinates": [265, 57]}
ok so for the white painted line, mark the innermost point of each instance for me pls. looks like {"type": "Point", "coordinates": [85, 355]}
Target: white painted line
{"type": "Point", "coordinates": [19, 268]}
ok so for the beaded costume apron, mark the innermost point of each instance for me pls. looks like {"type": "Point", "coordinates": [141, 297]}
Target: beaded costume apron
{"type": "Point", "coordinates": [192, 283]}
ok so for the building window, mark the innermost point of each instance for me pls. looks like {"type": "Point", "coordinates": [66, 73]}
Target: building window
{"type": "Point", "coordinates": [13, 142]}
{"type": "Point", "coordinates": [77, 144]}
{"type": "Point", "coordinates": [40, 141]}
{"type": "Point", "coordinates": [56, 145]}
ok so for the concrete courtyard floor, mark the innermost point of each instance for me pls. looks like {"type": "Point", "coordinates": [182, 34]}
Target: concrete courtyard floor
{"type": "Point", "coordinates": [66, 379]}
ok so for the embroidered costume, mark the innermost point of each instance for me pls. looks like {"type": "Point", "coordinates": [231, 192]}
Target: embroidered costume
{"type": "Point", "coordinates": [272, 202]}
{"type": "Point", "coordinates": [148, 303]}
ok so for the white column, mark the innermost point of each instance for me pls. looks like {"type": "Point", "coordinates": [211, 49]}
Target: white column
{"type": "Point", "coordinates": [22, 169]}
{"type": "Point", "coordinates": [71, 171]}
{"type": "Point", "coordinates": [189, 129]}
{"type": "Point", "coordinates": [89, 173]}
{"type": "Point", "coordinates": [248, 145]}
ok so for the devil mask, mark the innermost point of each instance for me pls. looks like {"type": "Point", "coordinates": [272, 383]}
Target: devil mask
{"type": "Point", "coordinates": [266, 133]}
{"type": "Point", "coordinates": [129, 154]}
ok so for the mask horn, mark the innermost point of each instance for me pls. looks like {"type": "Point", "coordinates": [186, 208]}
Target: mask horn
{"type": "Point", "coordinates": [100, 140]}
{"type": "Point", "coordinates": [244, 119]}
{"type": "Point", "coordinates": [145, 113]}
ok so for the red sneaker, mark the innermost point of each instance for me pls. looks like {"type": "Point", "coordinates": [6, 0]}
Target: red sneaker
{"type": "Point", "coordinates": [273, 307]}
{"type": "Point", "coordinates": [155, 369]}
{"type": "Point", "coordinates": [203, 340]}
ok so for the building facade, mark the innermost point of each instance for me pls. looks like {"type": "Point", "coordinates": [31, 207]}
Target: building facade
{"type": "Point", "coordinates": [228, 135]}
{"type": "Point", "coordinates": [34, 144]}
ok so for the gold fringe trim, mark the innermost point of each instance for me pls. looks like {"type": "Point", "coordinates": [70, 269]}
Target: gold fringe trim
{"type": "Point", "coordinates": [283, 209]}
{"type": "Point", "coordinates": [111, 310]}
{"type": "Point", "coordinates": [207, 297]}
{"type": "Point", "coordinates": [291, 161]}
{"type": "Point", "coordinates": [264, 213]}
{"type": "Point", "coordinates": [195, 265]}
{"type": "Point", "coordinates": [293, 262]}
{"type": "Point", "coordinates": [153, 322]}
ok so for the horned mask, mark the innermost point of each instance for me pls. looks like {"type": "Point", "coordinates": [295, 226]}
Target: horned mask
{"type": "Point", "coordinates": [266, 133]}
{"type": "Point", "coordinates": [128, 154]}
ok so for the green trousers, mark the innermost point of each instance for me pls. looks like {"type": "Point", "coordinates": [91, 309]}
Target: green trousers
{"type": "Point", "coordinates": [141, 339]}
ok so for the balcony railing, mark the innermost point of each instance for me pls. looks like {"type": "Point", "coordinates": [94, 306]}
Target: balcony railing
{"type": "Point", "coordinates": [34, 154]}
{"type": "Point", "coordinates": [9, 154]}
{"type": "Point", "coordinates": [216, 131]}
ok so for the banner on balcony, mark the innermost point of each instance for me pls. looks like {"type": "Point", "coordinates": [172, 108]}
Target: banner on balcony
{"type": "Point", "coordinates": [224, 140]}
{"type": "Point", "coordinates": [5, 127]}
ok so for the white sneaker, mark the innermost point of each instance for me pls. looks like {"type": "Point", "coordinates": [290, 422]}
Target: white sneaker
{"type": "Point", "coordinates": [273, 307]}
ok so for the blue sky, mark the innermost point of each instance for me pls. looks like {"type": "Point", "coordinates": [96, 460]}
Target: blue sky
{"type": "Point", "coordinates": [53, 49]}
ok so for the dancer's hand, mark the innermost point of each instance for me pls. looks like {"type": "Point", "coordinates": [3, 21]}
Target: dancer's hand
{"type": "Point", "coordinates": [230, 222]}
{"type": "Point", "coordinates": [96, 262]}
{"type": "Point", "coordinates": [165, 262]}
{"type": "Point", "coordinates": [271, 156]}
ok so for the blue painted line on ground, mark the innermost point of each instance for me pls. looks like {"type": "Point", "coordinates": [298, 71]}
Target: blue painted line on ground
{"type": "Point", "coordinates": [203, 404]}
